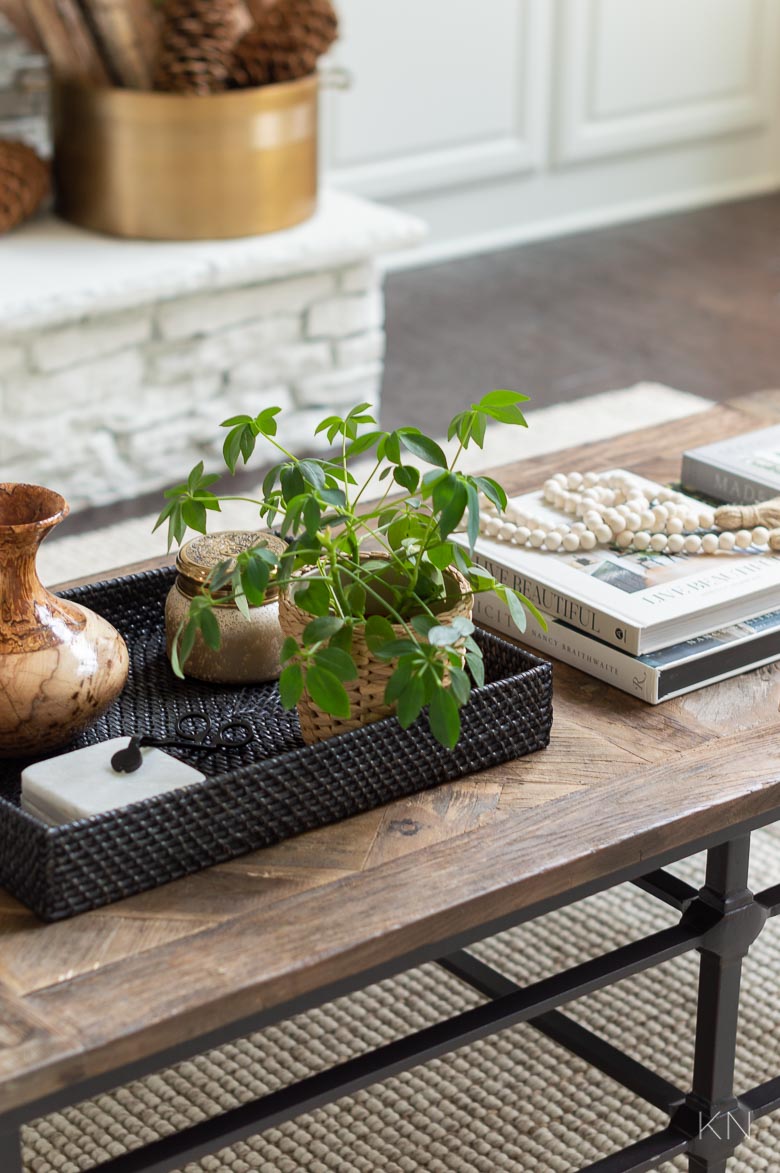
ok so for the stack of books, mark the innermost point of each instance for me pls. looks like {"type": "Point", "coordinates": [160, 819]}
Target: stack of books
{"type": "Point", "coordinates": [654, 625]}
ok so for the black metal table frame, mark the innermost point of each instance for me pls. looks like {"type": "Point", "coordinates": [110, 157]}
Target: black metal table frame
{"type": "Point", "coordinates": [708, 1123]}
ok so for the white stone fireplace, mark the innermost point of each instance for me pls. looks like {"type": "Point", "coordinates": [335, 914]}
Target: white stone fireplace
{"type": "Point", "coordinates": [119, 359]}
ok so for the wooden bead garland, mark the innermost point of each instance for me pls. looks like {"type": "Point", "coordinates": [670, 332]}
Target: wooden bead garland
{"type": "Point", "coordinates": [615, 509]}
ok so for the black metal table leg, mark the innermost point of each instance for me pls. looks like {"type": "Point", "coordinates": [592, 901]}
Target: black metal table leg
{"type": "Point", "coordinates": [713, 1116]}
{"type": "Point", "coordinates": [11, 1151]}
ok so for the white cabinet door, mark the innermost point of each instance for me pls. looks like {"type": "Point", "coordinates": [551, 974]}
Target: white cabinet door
{"type": "Point", "coordinates": [506, 120]}
{"type": "Point", "coordinates": [445, 91]}
{"type": "Point", "coordinates": [645, 73]}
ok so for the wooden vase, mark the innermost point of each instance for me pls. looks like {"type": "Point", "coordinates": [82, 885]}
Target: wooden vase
{"type": "Point", "coordinates": [61, 665]}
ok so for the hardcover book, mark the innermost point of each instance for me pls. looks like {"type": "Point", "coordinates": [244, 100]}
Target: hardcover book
{"type": "Point", "coordinates": [656, 676]}
{"type": "Point", "coordinates": [742, 470]}
{"type": "Point", "coordinates": [637, 601]}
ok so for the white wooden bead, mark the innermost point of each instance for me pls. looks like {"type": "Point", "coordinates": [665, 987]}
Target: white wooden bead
{"type": "Point", "coordinates": [642, 540]}
{"type": "Point", "coordinates": [587, 541]}
{"type": "Point", "coordinates": [592, 517]}
{"type": "Point", "coordinates": [617, 524]}
{"type": "Point", "coordinates": [760, 535]}
{"type": "Point", "coordinates": [690, 522]}
{"type": "Point", "coordinates": [574, 480]}
{"type": "Point", "coordinates": [709, 543]}
{"type": "Point", "coordinates": [553, 540]}
{"type": "Point", "coordinates": [727, 541]}
{"type": "Point", "coordinates": [557, 500]}
{"type": "Point", "coordinates": [571, 542]}
{"type": "Point", "coordinates": [625, 539]}
{"type": "Point", "coordinates": [506, 531]}
{"type": "Point", "coordinates": [560, 477]}
{"type": "Point", "coordinates": [590, 479]}
{"type": "Point", "coordinates": [633, 520]}
{"type": "Point", "coordinates": [658, 543]}
{"type": "Point", "coordinates": [674, 526]}
{"type": "Point", "coordinates": [675, 543]}
{"type": "Point", "coordinates": [607, 497]}
{"type": "Point", "coordinates": [492, 526]}
{"type": "Point", "coordinates": [707, 518]}
{"type": "Point", "coordinates": [550, 488]}
{"type": "Point", "coordinates": [521, 535]}
{"type": "Point", "coordinates": [579, 527]}
{"type": "Point", "coordinates": [603, 533]}
{"type": "Point", "coordinates": [692, 544]}
{"type": "Point", "coordinates": [647, 519]}
{"type": "Point", "coordinates": [537, 538]}
{"type": "Point", "coordinates": [743, 538]}
{"type": "Point", "coordinates": [660, 516]}
{"type": "Point", "coordinates": [570, 503]}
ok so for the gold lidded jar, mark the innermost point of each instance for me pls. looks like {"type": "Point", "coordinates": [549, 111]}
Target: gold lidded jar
{"type": "Point", "coordinates": [250, 648]}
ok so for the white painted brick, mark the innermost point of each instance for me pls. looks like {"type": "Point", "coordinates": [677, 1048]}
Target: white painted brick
{"type": "Point", "coordinates": [290, 362]}
{"type": "Point", "coordinates": [194, 316]}
{"type": "Point", "coordinates": [296, 432]}
{"type": "Point", "coordinates": [152, 405]}
{"type": "Point", "coordinates": [361, 349]}
{"type": "Point", "coordinates": [341, 388]}
{"type": "Point", "coordinates": [90, 340]}
{"type": "Point", "coordinates": [169, 361]}
{"type": "Point", "coordinates": [338, 317]}
{"type": "Point", "coordinates": [360, 278]}
{"type": "Point", "coordinates": [102, 383]}
{"type": "Point", "coordinates": [244, 401]}
{"type": "Point", "coordinates": [12, 358]}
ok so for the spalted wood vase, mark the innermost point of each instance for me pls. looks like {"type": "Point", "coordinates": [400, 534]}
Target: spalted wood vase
{"type": "Point", "coordinates": [61, 665]}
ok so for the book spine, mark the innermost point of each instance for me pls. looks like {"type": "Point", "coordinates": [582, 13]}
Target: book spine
{"type": "Point", "coordinates": [593, 622]}
{"type": "Point", "coordinates": [575, 648]}
{"type": "Point", "coordinates": [724, 484]}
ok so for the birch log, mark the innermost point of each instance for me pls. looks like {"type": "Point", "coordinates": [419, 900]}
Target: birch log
{"type": "Point", "coordinates": [67, 40]}
{"type": "Point", "coordinates": [17, 14]}
{"type": "Point", "coordinates": [126, 31]}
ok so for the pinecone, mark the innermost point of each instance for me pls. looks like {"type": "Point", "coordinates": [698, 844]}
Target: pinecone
{"type": "Point", "coordinates": [286, 43]}
{"type": "Point", "coordinates": [196, 45]}
{"type": "Point", "coordinates": [24, 183]}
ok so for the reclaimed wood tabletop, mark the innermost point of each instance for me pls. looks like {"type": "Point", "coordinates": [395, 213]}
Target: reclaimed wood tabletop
{"type": "Point", "coordinates": [620, 782]}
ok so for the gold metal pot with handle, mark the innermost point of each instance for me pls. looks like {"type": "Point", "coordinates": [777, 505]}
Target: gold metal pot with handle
{"type": "Point", "coordinates": [176, 167]}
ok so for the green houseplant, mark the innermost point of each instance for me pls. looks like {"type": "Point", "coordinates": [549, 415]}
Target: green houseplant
{"type": "Point", "coordinates": [380, 580]}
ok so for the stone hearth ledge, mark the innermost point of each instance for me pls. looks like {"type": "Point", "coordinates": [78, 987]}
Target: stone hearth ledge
{"type": "Point", "coordinates": [52, 272]}
{"type": "Point", "coordinates": [118, 358]}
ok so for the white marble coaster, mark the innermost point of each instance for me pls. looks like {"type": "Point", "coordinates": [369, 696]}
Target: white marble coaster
{"type": "Point", "coordinates": [82, 783]}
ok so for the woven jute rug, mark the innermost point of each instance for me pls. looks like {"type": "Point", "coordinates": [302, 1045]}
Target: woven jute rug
{"type": "Point", "coordinates": [512, 1102]}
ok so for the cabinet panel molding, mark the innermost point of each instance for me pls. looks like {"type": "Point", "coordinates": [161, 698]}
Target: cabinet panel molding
{"type": "Point", "coordinates": [478, 116]}
{"type": "Point", "coordinates": [653, 73]}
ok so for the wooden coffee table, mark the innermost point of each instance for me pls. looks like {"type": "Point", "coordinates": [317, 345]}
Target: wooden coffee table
{"type": "Point", "coordinates": [623, 790]}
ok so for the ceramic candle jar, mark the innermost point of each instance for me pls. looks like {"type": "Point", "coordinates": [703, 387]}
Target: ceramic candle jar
{"type": "Point", "coordinates": [249, 650]}
{"type": "Point", "coordinates": [61, 665]}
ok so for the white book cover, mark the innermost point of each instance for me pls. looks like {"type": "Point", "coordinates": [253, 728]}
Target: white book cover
{"type": "Point", "coordinates": [657, 676]}
{"type": "Point", "coordinates": [638, 601]}
{"type": "Point", "coordinates": [741, 469]}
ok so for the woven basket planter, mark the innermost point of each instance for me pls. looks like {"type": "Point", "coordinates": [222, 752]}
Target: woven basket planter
{"type": "Point", "coordinates": [367, 692]}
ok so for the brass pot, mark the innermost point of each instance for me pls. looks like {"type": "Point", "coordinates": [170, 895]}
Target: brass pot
{"type": "Point", "coordinates": [177, 167]}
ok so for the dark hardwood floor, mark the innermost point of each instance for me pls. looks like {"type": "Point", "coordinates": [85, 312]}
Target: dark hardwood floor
{"type": "Point", "coordinates": [689, 300]}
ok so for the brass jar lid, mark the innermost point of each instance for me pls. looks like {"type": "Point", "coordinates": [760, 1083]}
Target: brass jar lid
{"type": "Point", "coordinates": [198, 557]}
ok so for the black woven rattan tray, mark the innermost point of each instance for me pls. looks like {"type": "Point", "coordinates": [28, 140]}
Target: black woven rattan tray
{"type": "Point", "coordinates": [272, 790]}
